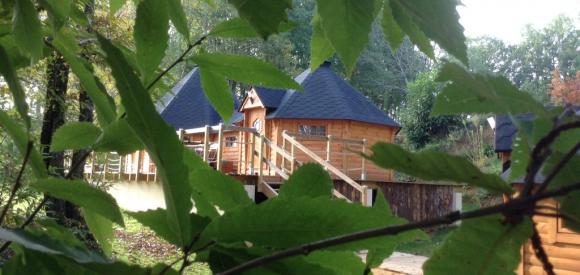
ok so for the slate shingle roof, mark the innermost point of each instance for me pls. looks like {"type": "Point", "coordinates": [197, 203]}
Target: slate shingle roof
{"type": "Point", "coordinates": [327, 96]}
{"type": "Point", "coordinates": [186, 105]}
{"type": "Point", "coordinates": [271, 98]}
{"type": "Point", "coordinates": [505, 131]}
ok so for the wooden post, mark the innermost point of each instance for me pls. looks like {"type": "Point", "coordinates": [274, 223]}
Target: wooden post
{"type": "Point", "coordinates": [252, 150]}
{"type": "Point", "coordinates": [239, 144]}
{"type": "Point", "coordinates": [180, 134]}
{"type": "Point", "coordinates": [363, 175]}
{"type": "Point", "coordinates": [328, 148]}
{"type": "Point", "coordinates": [139, 164]}
{"type": "Point", "coordinates": [364, 197]}
{"type": "Point", "coordinates": [220, 151]}
{"type": "Point", "coordinates": [120, 167]}
{"type": "Point", "coordinates": [206, 143]}
{"type": "Point", "coordinates": [293, 155]}
{"type": "Point", "coordinates": [261, 157]}
{"type": "Point", "coordinates": [283, 158]}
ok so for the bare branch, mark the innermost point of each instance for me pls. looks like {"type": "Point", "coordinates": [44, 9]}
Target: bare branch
{"type": "Point", "coordinates": [559, 166]}
{"type": "Point", "coordinates": [541, 253]}
{"type": "Point", "coordinates": [18, 182]}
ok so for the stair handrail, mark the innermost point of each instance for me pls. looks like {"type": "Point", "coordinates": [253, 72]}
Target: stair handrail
{"type": "Point", "coordinates": [329, 167]}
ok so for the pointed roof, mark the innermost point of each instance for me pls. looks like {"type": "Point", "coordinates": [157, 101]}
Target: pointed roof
{"type": "Point", "coordinates": [186, 105]}
{"type": "Point", "coordinates": [328, 96]}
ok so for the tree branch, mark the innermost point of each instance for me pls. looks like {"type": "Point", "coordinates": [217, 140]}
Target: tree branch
{"type": "Point", "coordinates": [559, 166]}
{"type": "Point", "coordinates": [540, 153]}
{"type": "Point", "coordinates": [177, 61]}
{"type": "Point", "coordinates": [540, 252]}
{"type": "Point", "coordinates": [18, 182]}
{"type": "Point", "coordinates": [514, 208]}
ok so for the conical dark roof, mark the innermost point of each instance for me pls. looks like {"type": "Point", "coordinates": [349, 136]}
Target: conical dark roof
{"type": "Point", "coordinates": [328, 96]}
{"type": "Point", "coordinates": [186, 105]}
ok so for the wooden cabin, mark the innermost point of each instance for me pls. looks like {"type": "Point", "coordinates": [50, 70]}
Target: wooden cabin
{"type": "Point", "coordinates": [561, 244]}
{"type": "Point", "coordinates": [274, 131]}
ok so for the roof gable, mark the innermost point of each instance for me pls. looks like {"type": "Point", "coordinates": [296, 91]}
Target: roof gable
{"type": "Point", "coordinates": [186, 105]}
{"type": "Point", "coordinates": [327, 96]}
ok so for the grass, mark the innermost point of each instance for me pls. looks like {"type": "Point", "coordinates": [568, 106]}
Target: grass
{"type": "Point", "coordinates": [438, 236]}
{"type": "Point", "coordinates": [137, 244]}
{"type": "Point", "coordinates": [426, 247]}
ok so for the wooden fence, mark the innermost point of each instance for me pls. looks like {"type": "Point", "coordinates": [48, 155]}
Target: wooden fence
{"type": "Point", "coordinates": [413, 201]}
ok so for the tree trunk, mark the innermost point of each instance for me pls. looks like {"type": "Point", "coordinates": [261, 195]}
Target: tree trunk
{"type": "Point", "coordinates": [56, 87]}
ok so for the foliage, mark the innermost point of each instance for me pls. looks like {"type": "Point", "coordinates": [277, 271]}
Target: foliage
{"type": "Point", "coordinates": [418, 125]}
{"type": "Point", "coordinates": [565, 91]}
{"type": "Point", "coordinates": [227, 230]}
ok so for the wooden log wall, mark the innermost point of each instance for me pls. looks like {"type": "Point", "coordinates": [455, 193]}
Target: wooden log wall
{"type": "Point", "coordinates": [412, 201]}
{"type": "Point", "coordinates": [562, 247]}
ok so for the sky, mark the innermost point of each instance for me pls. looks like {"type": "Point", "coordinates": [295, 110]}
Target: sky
{"type": "Point", "coordinates": [506, 19]}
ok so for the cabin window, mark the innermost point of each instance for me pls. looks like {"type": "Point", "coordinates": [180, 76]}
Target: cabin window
{"type": "Point", "coordinates": [257, 125]}
{"type": "Point", "coordinates": [312, 130]}
{"type": "Point", "coordinates": [231, 142]}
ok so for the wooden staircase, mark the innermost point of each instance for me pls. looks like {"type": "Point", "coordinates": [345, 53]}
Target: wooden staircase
{"type": "Point", "coordinates": [269, 184]}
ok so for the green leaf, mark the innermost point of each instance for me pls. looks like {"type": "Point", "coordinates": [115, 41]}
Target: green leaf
{"type": "Point", "coordinates": [27, 28]}
{"type": "Point", "coordinates": [218, 92]}
{"type": "Point", "coordinates": [75, 135]}
{"type": "Point", "coordinates": [8, 71]}
{"type": "Point", "coordinates": [222, 258]}
{"type": "Point", "coordinates": [434, 165]}
{"type": "Point", "coordinates": [437, 20]}
{"type": "Point", "coordinates": [66, 45]}
{"type": "Point", "coordinates": [568, 175]}
{"type": "Point", "coordinates": [58, 11]}
{"type": "Point", "coordinates": [118, 137]}
{"type": "Point", "coordinates": [280, 223]}
{"type": "Point", "coordinates": [150, 34]}
{"type": "Point", "coordinates": [246, 69]}
{"type": "Point", "coordinates": [29, 261]}
{"type": "Point", "coordinates": [157, 221]}
{"type": "Point", "coordinates": [416, 35]}
{"type": "Point", "coordinates": [81, 194]}
{"type": "Point", "coordinates": [310, 180]}
{"type": "Point", "coordinates": [520, 157]}
{"type": "Point", "coordinates": [480, 94]}
{"type": "Point", "coordinates": [265, 16]}
{"type": "Point", "coordinates": [485, 245]}
{"type": "Point", "coordinates": [347, 24]}
{"type": "Point", "coordinates": [224, 191]}
{"type": "Point", "coordinates": [45, 244]}
{"type": "Point", "coordinates": [240, 28]}
{"type": "Point", "coordinates": [177, 16]}
{"type": "Point", "coordinates": [391, 29]}
{"type": "Point", "coordinates": [321, 48]}
{"type": "Point", "coordinates": [18, 58]}
{"type": "Point", "coordinates": [78, 16]}
{"type": "Point", "coordinates": [101, 228]}
{"type": "Point", "coordinates": [160, 139]}
{"type": "Point", "coordinates": [375, 257]}
{"type": "Point", "coordinates": [340, 262]}
{"type": "Point", "coordinates": [202, 205]}
{"type": "Point", "coordinates": [20, 139]}
{"type": "Point", "coordinates": [115, 5]}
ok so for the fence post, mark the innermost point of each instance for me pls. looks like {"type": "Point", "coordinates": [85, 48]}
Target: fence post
{"type": "Point", "coordinates": [284, 150]}
{"type": "Point", "coordinates": [365, 196]}
{"type": "Point", "coordinates": [328, 149]}
{"type": "Point", "coordinates": [363, 175]}
{"type": "Point", "coordinates": [261, 157]}
{"type": "Point", "coordinates": [206, 143]}
{"type": "Point", "coordinates": [220, 147]}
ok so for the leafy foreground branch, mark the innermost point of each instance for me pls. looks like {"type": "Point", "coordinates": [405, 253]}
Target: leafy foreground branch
{"type": "Point", "coordinates": [513, 212]}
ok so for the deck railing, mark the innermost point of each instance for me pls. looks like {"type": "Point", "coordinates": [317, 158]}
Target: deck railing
{"type": "Point", "coordinates": [267, 152]}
